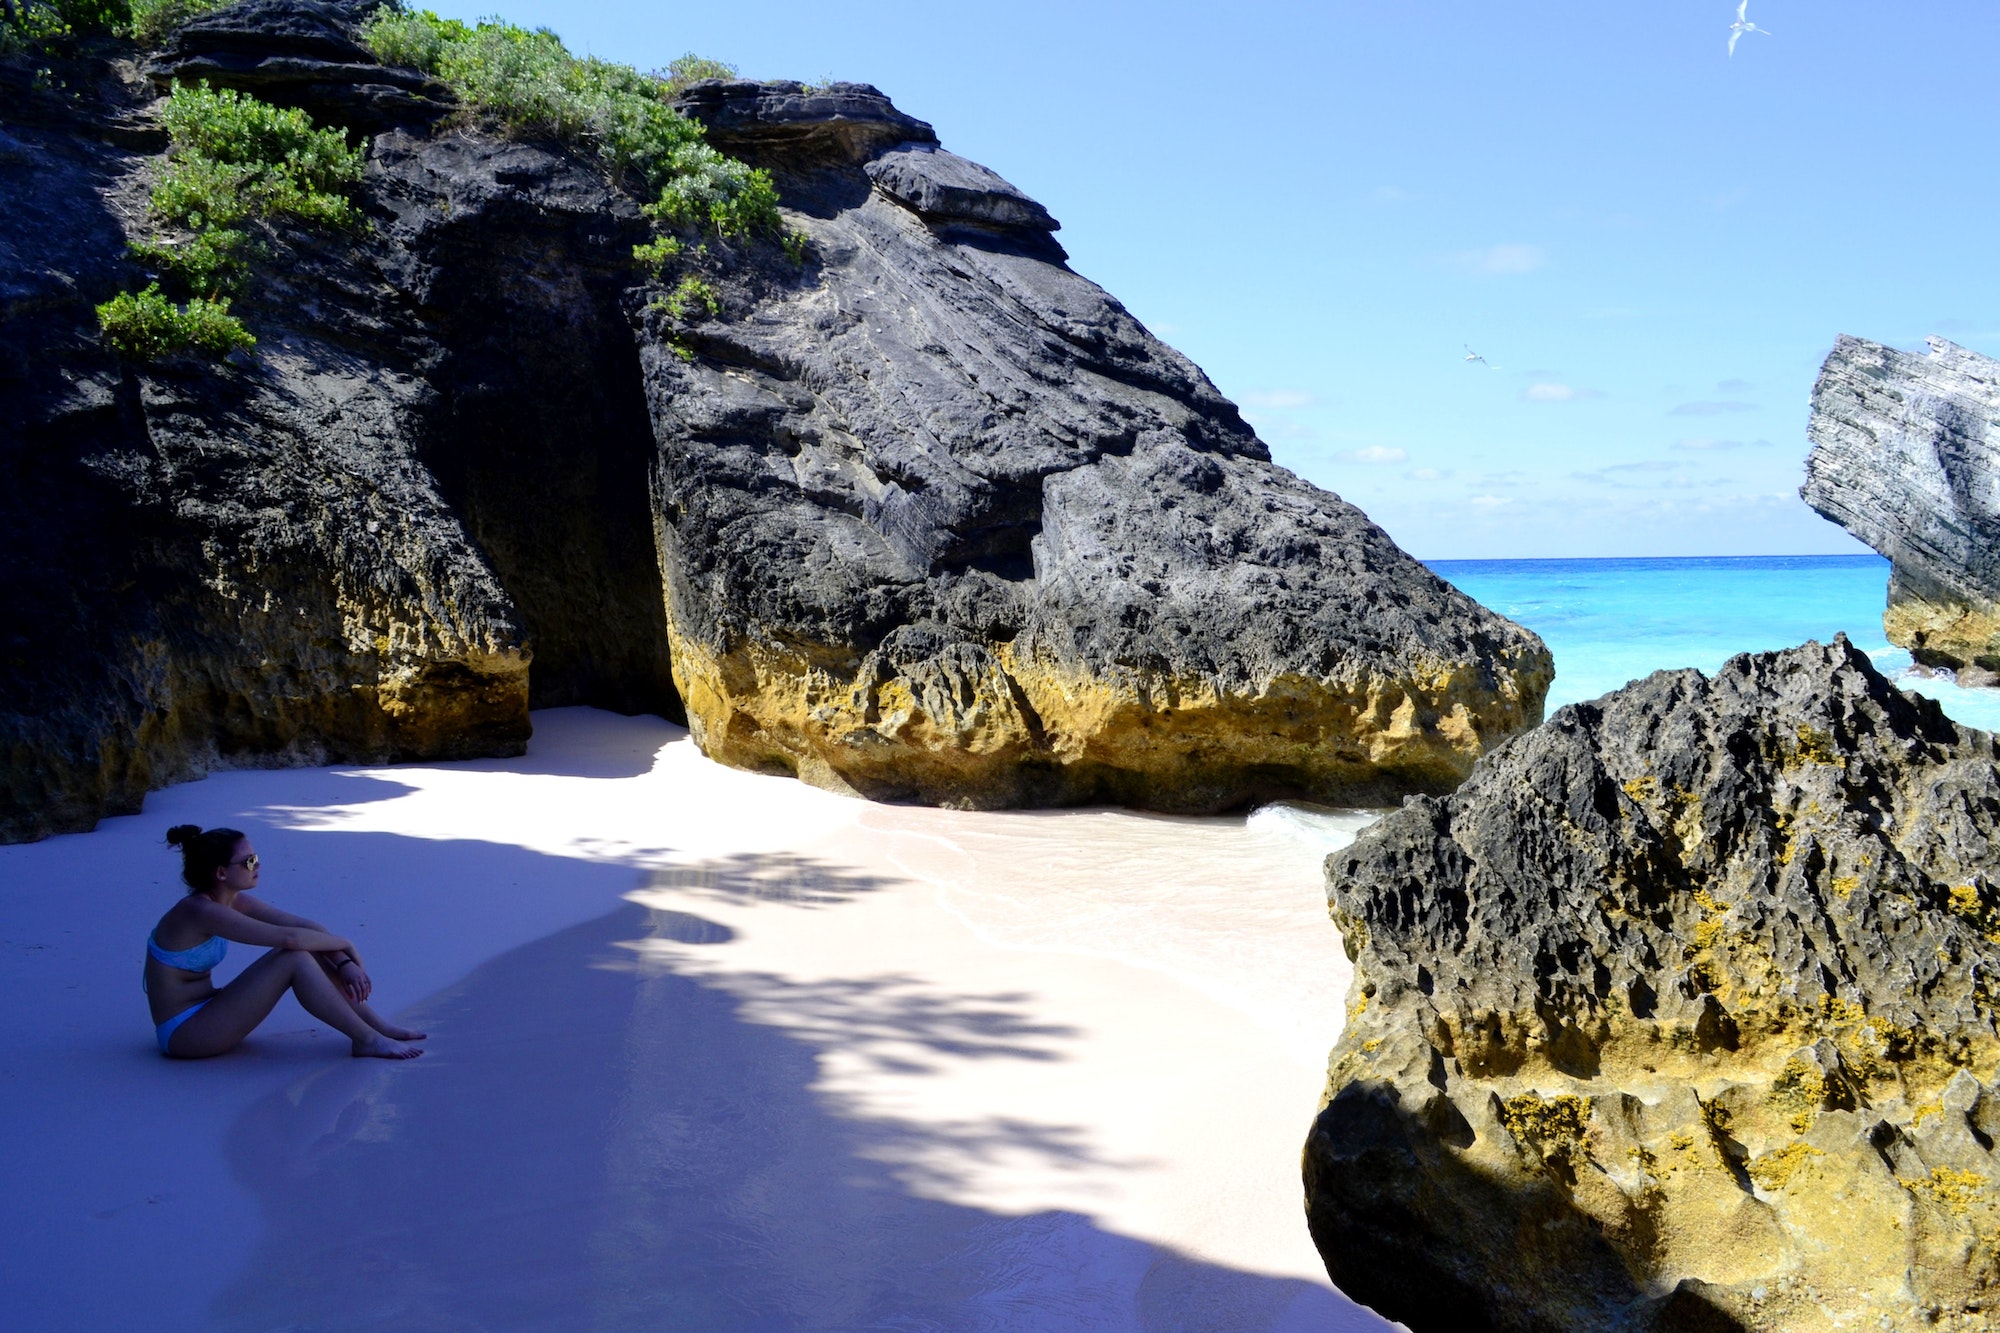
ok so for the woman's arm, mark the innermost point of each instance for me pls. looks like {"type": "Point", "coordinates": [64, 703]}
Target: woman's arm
{"type": "Point", "coordinates": [242, 928]}
{"type": "Point", "coordinates": [252, 906]}
{"type": "Point", "coordinates": [355, 983]}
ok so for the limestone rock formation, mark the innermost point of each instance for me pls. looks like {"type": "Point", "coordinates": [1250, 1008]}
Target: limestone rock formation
{"type": "Point", "coordinates": [351, 545]}
{"type": "Point", "coordinates": [1679, 1014]}
{"type": "Point", "coordinates": [1906, 449]}
{"type": "Point", "coordinates": [927, 516]}
{"type": "Point", "coordinates": [942, 521]}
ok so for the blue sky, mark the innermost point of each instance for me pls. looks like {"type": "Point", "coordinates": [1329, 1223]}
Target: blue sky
{"type": "Point", "coordinates": [1652, 243]}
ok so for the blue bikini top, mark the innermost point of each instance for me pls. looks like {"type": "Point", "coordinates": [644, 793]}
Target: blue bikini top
{"type": "Point", "coordinates": [202, 958]}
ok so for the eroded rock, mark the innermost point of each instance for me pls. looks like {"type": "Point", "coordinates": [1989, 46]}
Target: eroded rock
{"type": "Point", "coordinates": [1679, 1014]}
{"type": "Point", "coordinates": [927, 516]}
{"type": "Point", "coordinates": [1905, 453]}
{"type": "Point", "coordinates": [350, 546]}
{"type": "Point", "coordinates": [942, 521]}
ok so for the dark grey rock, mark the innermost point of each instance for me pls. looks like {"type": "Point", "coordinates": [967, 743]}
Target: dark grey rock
{"type": "Point", "coordinates": [300, 53]}
{"type": "Point", "coordinates": [1683, 1005]}
{"type": "Point", "coordinates": [943, 521]}
{"type": "Point", "coordinates": [800, 126]}
{"type": "Point", "coordinates": [1905, 451]}
{"type": "Point", "coordinates": [344, 547]}
{"type": "Point", "coordinates": [943, 187]}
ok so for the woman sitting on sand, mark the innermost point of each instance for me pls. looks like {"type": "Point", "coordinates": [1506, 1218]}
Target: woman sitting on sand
{"type": "Point", "coordinates": [193, 1018]}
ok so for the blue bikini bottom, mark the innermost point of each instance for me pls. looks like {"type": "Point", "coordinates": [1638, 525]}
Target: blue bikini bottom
{"type": "Point", "coordinates": [166, 1029]}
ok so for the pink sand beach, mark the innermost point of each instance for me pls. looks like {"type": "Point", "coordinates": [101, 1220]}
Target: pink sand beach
{"type": "Point", "coordinates": [709, 1050]}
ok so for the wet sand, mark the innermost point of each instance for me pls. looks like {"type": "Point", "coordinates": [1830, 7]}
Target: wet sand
{"type": "Point", "coordinates": [709, 1050]}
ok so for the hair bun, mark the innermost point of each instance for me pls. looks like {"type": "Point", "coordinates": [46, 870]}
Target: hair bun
{"type": "Point", "coordinates": [180, 835]}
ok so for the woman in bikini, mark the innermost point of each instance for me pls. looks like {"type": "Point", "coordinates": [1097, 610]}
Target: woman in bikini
{"type": "Point", "coordinates": [193, 1018]}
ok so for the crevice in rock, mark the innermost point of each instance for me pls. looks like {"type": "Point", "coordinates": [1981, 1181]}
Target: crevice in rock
{"type": "Point", "coordinates": [542, 443]}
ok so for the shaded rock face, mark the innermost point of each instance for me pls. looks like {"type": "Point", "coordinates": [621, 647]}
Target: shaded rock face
{"type": "Point", "coordinates": [941, 521]}
{"type": "Point", "coordinates": [351, 546]}
{"type": "Point", "coordinates": [1905, 453]}
{"type": "Point", "coordinates": [1679, 1014]}
{"type": "Point", "coordinates": [927, 517]}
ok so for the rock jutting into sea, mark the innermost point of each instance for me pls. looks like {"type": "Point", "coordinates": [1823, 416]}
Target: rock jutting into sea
{"type": "Point", "coordinates": [905, 506]}
{"type": "Point", "coordinates": [1679, 1014]}
{"type": "Point", "coordinates": [1906, 448]}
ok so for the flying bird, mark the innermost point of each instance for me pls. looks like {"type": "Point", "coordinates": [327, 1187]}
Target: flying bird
{"type": "Point", "coordinates": [1471, 355]}
{"type": "Point", "coordinates": [1743, 25]}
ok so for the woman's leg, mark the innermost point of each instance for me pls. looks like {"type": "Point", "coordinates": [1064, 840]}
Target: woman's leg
{"type": "Point", "coordinates": [382, 1025]}
{"type": "Point", "coordinates": [234, 1011]}
{"type": "Point", "coordinates": [368, 1015]}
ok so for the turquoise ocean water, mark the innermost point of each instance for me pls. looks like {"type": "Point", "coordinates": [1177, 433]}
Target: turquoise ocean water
{"type": "Point", "coordinates": [1612, 621]}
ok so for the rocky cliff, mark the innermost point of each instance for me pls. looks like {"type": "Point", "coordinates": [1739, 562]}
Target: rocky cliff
{"type": "Point", "coordinates": [1679, 1014]}
{"type": "Point", "coordinates": [926, 516]}
{"type": "Point", "coordinates": [1905, 453]}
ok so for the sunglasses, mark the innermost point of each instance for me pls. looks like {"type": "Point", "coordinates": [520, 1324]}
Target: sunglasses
{"type": "Point", "coordinates": [248, 863]}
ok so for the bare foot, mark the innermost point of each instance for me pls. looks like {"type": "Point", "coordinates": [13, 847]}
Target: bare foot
{"type": "Point", "coordinates": [384, 1049]}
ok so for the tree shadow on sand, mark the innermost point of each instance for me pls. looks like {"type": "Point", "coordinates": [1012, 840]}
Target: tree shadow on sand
{"type": "Point", "coordinates": [599, 1143]}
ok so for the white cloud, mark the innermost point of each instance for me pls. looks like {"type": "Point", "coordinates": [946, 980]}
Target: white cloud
{"type": "Point", "coordinates": [1556, 393]}
{"type": "Point", "coordinates": [1512, 258]}
{"type": "Point", "coordinates": [1279, 428]}
{"type": "Point", "coordinates": [1428, 473]}
{"type": "Point", "coordinates": [1278, 399]}
{"type": "Point", "coordinates": [1734, 388]}
{"type": "Point", "coordinates": [1492, 501]}
{"type": "Point", "coordinates": [1711, 409]}
{"type": "Point", "coordinates": [1374, 453]}
{"type": "Point", "coordinates": [1652, 474]}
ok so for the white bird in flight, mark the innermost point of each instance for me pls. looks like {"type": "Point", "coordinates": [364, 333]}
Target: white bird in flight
{"type": "Point", "coordinates": [1471, 355]}
{"type": "Point", "coordinates": [1742, 25]}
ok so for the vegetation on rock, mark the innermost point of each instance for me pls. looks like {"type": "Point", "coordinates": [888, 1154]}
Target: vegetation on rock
{"type": "Point", "coordinates": [153, 21]}
{"type": "Point", "coordinates": [233, 161]}
{"type": "Point", "coordinates": [147, 326]}
{"type": "Point", "coordinates": [46, 22]}
{"type": "Point", "coordinates": [529, 82]}
{"type": "Point", "coordinates": [43, 23]}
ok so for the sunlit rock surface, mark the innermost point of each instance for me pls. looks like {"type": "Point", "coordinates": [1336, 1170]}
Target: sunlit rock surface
{"type": "Point", "coordinates": [1906, 456]}
{"type": "Point", "coordinates": [1679, 1014]}
{"type": "Point", "coordinates": [940, 520]}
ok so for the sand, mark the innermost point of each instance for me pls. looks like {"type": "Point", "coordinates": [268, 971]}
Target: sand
{"type": "Point", "coordinates": [710, 1050]}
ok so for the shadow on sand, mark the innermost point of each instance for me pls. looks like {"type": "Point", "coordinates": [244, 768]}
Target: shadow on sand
{"type": "Point", "coordinates": [598, 1143]}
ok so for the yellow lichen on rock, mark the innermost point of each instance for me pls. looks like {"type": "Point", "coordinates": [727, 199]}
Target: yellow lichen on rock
{"type": "Point", "coordinates": [1629, 1070]}
{"type": "Point", "coordinates": [1944, 632]}
{"type": "Point", "coordinates": [984, 726]}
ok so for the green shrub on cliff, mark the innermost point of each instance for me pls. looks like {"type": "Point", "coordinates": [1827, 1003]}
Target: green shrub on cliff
{"type": "Point", "coordinates": [530, 82]}
{"type": "Point", "coordinates": [234, 157]}
{"type": "Point", "coordinates": [232, 161]}
{"type": "Point", "coordinates": [52, 22]}
{"type": "Point", "coordinates": [45, 23]}
{"type": "Point", "coordinates": [153, 21]}
{"type": "Point", "coordinates": [147, 326]}
{"type": "Point", "coordinates": [692, 68]}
